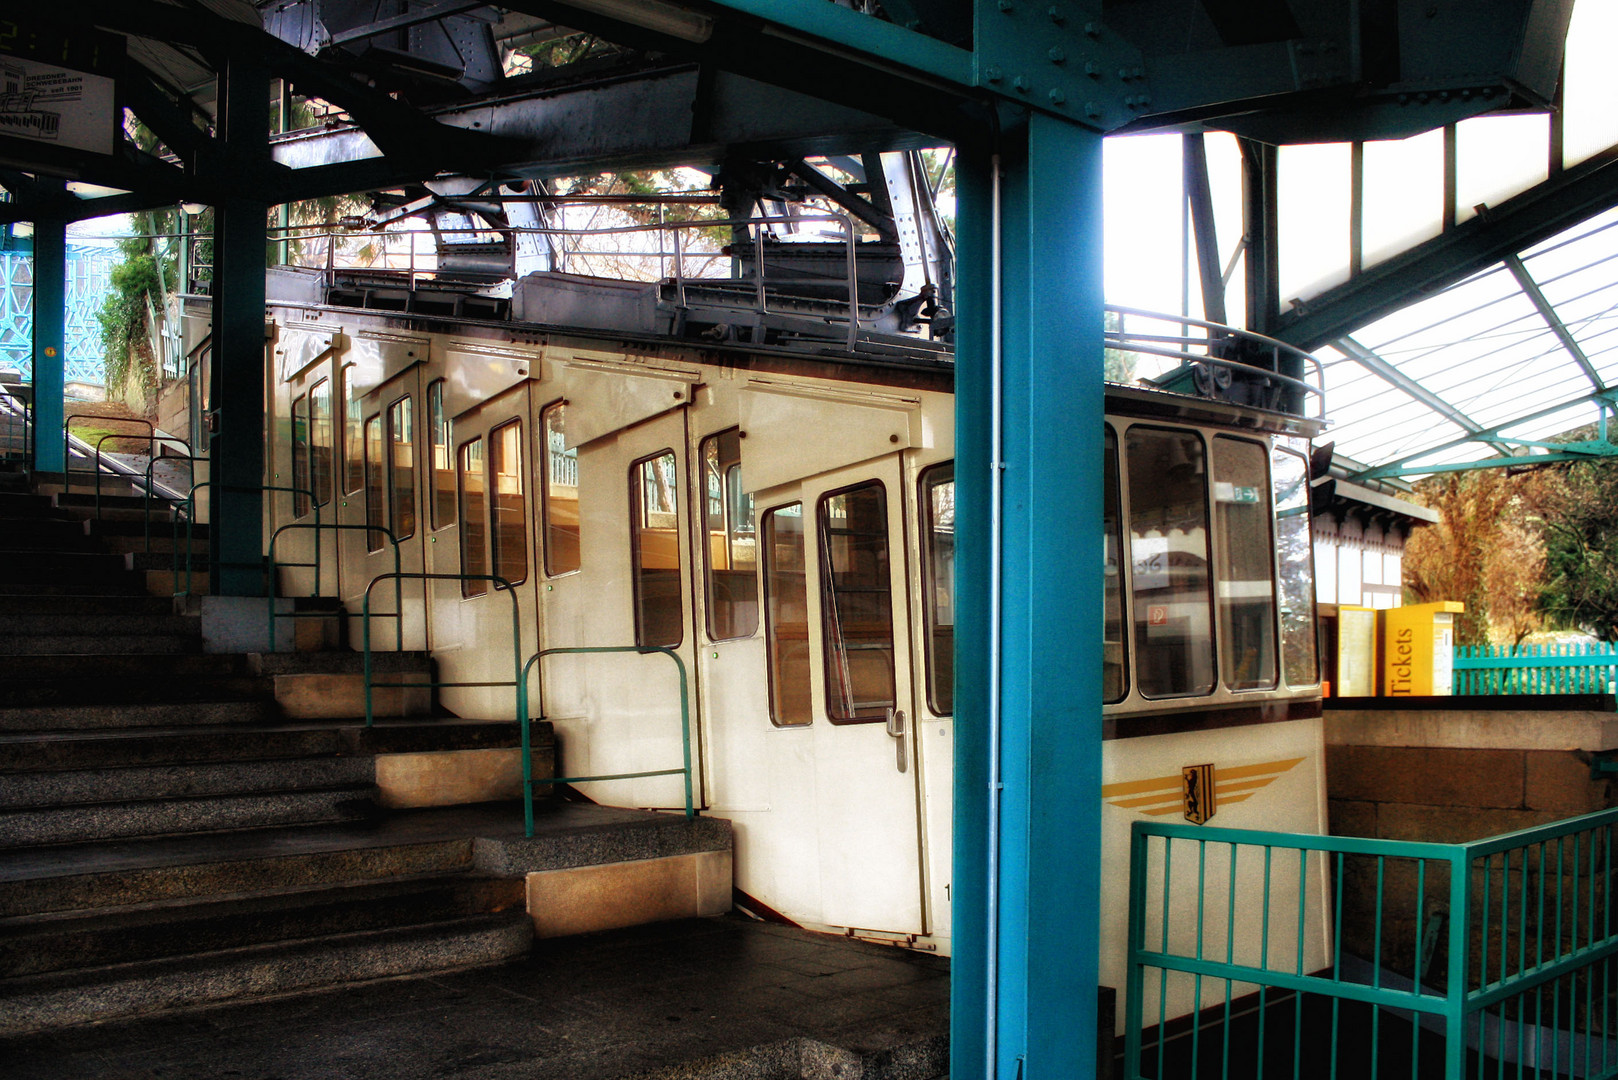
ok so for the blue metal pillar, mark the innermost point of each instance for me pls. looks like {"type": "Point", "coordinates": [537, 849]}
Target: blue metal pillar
{"type": "Point", "coordinates": [237, 366]}
{"type": "Point", "coordinates": [1026, 892]}
{"type": "Point", "coordinates": [50, 336]}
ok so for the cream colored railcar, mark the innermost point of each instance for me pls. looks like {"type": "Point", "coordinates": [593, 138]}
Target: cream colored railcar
{"type": "Point", "coordinates": [786, 527]}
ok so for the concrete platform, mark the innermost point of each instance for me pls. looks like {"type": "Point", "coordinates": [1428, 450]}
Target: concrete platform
{"type": "Point", "coordinates": [724, 998]}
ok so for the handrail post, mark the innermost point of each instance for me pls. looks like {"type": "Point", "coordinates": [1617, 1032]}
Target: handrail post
{"type": "Point", "coordinates": [1460, 925]}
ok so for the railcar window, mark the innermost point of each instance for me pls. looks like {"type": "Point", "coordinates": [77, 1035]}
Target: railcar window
{"type": "Point", "coordinates": [731, 581]}
{"type": "Point", "coordinates": [1245, 571]}
{"type": "Point", "coordinates": [856, 603]}
{"type": "Point", "coordinates": [354, 478]}
{"type": "Point", "coordinates": [443, 433]}
{"type": "Point", "coordinates": [938, 584]}
{"type": "Point", "coordinates": [320, 445]}
{"type": "Point", "coordinates": [1114, 647]}
{"type": "Point", "coordinates": [375, 512]}
{"type": "Point", "coordinates": [300, 456]}
{"type": "Point", "coordinates": [474, 558]}
{"type": "Point", "coordinates": [507, 513]}
{"type": "Point", "coordinates": [786, 612]}
{"type": "Point", "coordinates": [402, 468]}
{"type": "Point", "coordinates": [655, 536]}
{"type": "Point", "coordinates": [559, 493]}
{"type": "Point", "coordinates": [1295, 557]}
{"type": "Point", "coordinates": [1171, 591]}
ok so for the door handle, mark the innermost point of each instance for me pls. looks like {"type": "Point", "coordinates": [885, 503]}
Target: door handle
{"type": "Point", "coordinates": [896, 730]}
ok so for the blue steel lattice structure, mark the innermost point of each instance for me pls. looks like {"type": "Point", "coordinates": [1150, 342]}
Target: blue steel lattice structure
{"type": "Point", "coordinates": [89, 275]}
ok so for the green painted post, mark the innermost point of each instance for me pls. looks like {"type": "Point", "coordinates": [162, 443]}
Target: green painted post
{"type": "Point", "coordinates": [50, 337]}
{"type": "Point", "coordinates": [236, 411]}
{"type": "Point", "coordinates": [1035, 1006]}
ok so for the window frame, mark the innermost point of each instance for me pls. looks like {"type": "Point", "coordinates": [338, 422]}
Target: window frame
{"type": "Point", "coordinates": [637, 501]}
{"type": "Point", "coordinates": [828, 604]}
{"type": "Point", "coordinates": [391, 443]}
{"type": "Point", "coordinates": [726, 508]}
{"type": "Point", "coordinates": [472, 588]}
{"type": "Point", "coordinates": [353, 432]}
{"type": "Point", "coordinates": [1208, 593]}
{"type": "Point", "coordinates": [318, 490]}
{"type": "Point", "coordinates": [547, 548]}
{"type": "Point", "coordinates": [438, 422]}
{"type": "Point", "coordinates": [1223, 566]}
{"type": "Point", "coordinates": [375, 486]}
{"type": "Point", "coordinates": [491, 494]}
{"type": "Point", "coordinates": [929, 582]}
{"type": "Point", "coordinates": [771, 634]}
{"type": "Point", "coordinates": [302, 486]}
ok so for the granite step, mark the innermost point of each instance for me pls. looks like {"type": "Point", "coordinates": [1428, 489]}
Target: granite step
{"type": "Point", "coordinates": [142, 870]}
{"type": "Point", "coordinates": [112, 627]}
{"type": "Point", "coordinates": [90, 604]}
{"type": "Point", "coordinates": [30, 827]}
{"type": "Point", "coordinates": [51, 789]}
{"type": "Point", "coordinates": [163, 714]}
{"type": "Point", "coordinates": [59, 999]}
{"type": "Point", "coordinates": [62, 941]}
{"type": "Point", "coordinates": [23, 644]}
{"type": "Point", "coordinates": [97, 749]}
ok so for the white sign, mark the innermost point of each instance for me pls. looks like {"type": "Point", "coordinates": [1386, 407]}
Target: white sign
{"type": "Point", "coordinates": [56, 105]}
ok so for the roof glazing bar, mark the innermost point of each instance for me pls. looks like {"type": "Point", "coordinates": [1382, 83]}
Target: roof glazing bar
{"type": "Point", "coordinates": [1531, 289]}
{"type": "Point", "coordinates": [1381, 368]}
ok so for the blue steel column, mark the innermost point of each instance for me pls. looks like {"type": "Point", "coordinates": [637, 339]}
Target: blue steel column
{"type": "Point", "coordinates": [50, 339]}
{"type": "Point", "coordinates": [1033, 965]}
{"type": "Point", "coordinates": [237, 367]}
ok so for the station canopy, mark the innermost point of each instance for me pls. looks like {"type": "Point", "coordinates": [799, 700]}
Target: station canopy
{"type": "Point", "coordinates": [1459, 286]}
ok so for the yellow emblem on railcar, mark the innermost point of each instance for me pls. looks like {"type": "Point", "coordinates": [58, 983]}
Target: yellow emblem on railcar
{"type": "Point", "coordinates": [1197, 793]}
{"type": "Point", "coordinates": [1163, 795]}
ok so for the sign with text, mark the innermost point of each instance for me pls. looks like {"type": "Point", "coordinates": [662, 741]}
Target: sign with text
{"type": "Point", "coordinates": [56, 105]}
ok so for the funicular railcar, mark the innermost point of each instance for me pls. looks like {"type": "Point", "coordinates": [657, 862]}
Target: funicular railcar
{"type": "Point", "coordinates": [782, 517]}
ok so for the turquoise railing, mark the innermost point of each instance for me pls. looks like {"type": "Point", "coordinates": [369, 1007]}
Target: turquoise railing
{"type": "Point", "coordinates": [1486, 959]}
{"type": "Point", "coordinates": [685, 719]}
{"type": "Point", "coordinates": [67, 445]}
{"type": "Point", "coordinates": [1575, 668]}
{"type": "Point", "coordinates": [188, 509]}
{"type": "Point", "coordinates": [517, 682]}
{"type": "Point", "coordinates": [150, 482]}
{"type": "Point", "coordinates": [272, 587]}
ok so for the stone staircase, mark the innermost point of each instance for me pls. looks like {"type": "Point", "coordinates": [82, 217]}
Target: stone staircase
{"type": "Point", "coordinates": [169, 837]}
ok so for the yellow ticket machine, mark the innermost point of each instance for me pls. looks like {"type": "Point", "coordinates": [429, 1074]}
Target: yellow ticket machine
{"type": "Point", "coordinates": [1418, 649]}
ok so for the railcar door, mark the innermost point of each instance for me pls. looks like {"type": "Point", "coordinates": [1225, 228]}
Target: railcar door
{"type": "Point", "coordinates": [860, 695]}
{"type": "Point", "coordinates": [390, 447]}
{"type": "Point", "coordinates": [615, 540]}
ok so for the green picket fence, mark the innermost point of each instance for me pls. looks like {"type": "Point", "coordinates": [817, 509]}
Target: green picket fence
{"type": "Point", "coordinates": [1579, 668]}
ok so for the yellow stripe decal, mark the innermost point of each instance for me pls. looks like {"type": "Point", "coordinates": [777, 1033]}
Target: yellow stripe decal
{"type": "Point", "coordinates": [1163, 795]}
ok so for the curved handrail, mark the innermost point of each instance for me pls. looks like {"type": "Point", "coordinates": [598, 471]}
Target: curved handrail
{"type": "Point", "coordinates": [67, 442]}
{"type": "Point", "coordinates": [1143, 343]}
{"type": "Point", "coordinates": [500, 583]}
{"type": "Point", "coordinates": [150, 482]}
{"type": "Point", "coordinates": [67, 437]}
{"type": "Point", "coordinates": [151, 440]}
{"type": "Point", "coordinates": [398, 595]}
{"type": "Point", "coordinates": [685, 718]}
{"type": "Point", "coordinates": [190, 505]}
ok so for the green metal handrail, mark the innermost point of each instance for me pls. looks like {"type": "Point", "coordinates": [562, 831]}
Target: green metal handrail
{"type": "Point", "coordinates": [685, 719]}
{"type": "Point", "coordinates": [517, 682]}
{"type": "Point", "coordinates": [189, 503]}
{"type": "Point", "coordinates": [67, 441]}
{"type": "Point", "coordinates": [1514, 931]}
{"type": "Point", "coordinates": [150, 482]}
{"type": "Point", "coordinates": [398, 587]}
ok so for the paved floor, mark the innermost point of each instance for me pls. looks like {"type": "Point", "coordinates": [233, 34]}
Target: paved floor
{"type": "Point", "coordinates": [723, 998]}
